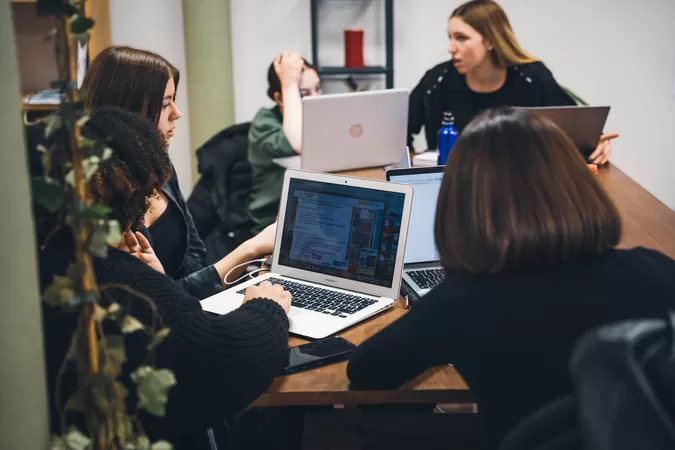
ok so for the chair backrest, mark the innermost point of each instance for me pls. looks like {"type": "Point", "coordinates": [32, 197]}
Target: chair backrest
{"type": "Point", "coordinates": [624, 375]}
{"type": "Point", "coordinates": [553, 427]}
{"type": "Point", "coordinates": [219, 201]}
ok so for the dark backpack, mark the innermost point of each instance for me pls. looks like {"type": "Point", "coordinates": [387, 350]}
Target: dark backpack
{"type": "Point", "coordinates": [219, 201]}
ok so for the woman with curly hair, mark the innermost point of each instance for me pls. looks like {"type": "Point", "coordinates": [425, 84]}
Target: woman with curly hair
{"type": "Point", "coordinates": [145, 83]}
{"type": "Point", "coordinates": [221, 363]}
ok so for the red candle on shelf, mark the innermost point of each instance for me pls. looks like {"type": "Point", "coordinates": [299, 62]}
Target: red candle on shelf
{"type": "Point", "coordinates": [354, 49]}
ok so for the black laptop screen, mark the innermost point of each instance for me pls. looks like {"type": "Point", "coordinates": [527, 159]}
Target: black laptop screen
{"type": "Point", "coordinates": [343, 231]}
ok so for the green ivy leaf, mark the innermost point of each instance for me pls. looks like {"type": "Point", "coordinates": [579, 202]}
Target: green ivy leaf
{"type": "Point", "coordinates": [124, 428]}
{"type": "Point", "coordinates": [130, 325]}
{"type": "Point", "coordinates": [54, 123]}
{"type": "Point", "coordinates": [98, 242]}
{"type": "Point", "coordinates": [96, 211]}
{"type": "Point", "coordinates": [57, 443]}
{"type": "Point", "coordinates": [75, 271]}
{"type": "Point", "coordinates": [116, 355]}
{"type": "Point", "coordinates": [143, 443]}
{"type": "Point", "coordinates": [99, 313]}
{"type": "Point", "coordinates": [114, 232]}
{"type": "Point", "coordinates": [152, 386]}
{"type": "Point", "coordinates": [77, 441]}
{"type": "Point", "coordinates": [76, 402]}
{"type": "Point", "coordinates": [113, 309]}
{"type": "Point", "coordinates": [103, 393]}
{"type": "Point", "coordinates": [90, 166]}
{"type": "Point", "coordinates": [60, 292]}
{"type": "Point", "coordinates": [161, 445]}
{"type": "Point", "coordinates": [158, 338]}
{"type": "Point", "coordinates": [80, 24]}
{"type": "Point", "coordinates": [48, 193]}
{"type": "Point", "coordinates": [107, 153]}
{"type": "Point", "coordinates": [86, 142]}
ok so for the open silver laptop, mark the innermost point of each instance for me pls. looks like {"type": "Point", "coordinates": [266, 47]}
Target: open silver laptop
{"type": "Point", "coordinates": [422, 268]}
{"type": "Point", "coordinates": [583, 124]}
{"type": "Point", "coordinates": [339, 251]}
{"type": "Point", "coordinates": [351, 131]}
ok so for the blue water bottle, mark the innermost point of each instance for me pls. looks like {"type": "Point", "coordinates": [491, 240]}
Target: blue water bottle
{"type": "Point", "coordinates": [447, 136]}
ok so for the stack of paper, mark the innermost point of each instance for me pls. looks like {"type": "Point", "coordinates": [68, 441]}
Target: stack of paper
{"type": "Point", "coordinates": [44, 97]}
{"type": "Point", "coordinates": [428, 158]}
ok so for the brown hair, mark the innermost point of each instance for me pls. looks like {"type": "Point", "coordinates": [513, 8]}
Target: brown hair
{"type": "Point", "coordinates": [131, 79]}
{"type": "Point", "coordinates": [517, 194]}
{"type": "Point", "coordinates": [273, 81]}
{"type": "Point", "coordinates": [490, 20]}
{"type": "Point", "coordinates": [136, 171]}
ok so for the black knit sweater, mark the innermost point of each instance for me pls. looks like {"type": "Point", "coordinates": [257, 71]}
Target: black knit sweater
{"type": "Point", "coordinates": [511, 335]}
{"type": "Point", "coordinates": [221, 363]}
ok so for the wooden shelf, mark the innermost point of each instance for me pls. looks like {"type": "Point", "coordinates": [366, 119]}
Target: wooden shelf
{"type": "Point", "coordinates": [36, 58]}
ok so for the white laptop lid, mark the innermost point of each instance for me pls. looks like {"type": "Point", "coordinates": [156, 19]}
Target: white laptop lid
{"type": "Point", "coordinates": [583, 124]}
{"type": "Point", "coordinates": [353, 131]}
{"type": "Point", "coordinates": [342, 231]}
{"type": "Point", "coordinates": [421, 244]}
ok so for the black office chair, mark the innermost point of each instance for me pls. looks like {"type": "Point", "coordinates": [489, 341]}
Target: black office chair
{"type": "Point", "coordinates": [553, 427]}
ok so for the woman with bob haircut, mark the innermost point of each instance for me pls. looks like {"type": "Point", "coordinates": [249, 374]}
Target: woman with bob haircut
{"type": "Point", "coordinates": [527, 238]}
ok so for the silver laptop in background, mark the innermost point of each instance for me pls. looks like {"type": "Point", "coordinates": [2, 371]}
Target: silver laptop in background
{"type": "Point", "coordinates": [351, 131]}
{"type": "Point", "coordinates": [583, 124]}
{"type": "Point", "coordinates": [422, 269]}
{"type": "Point", "coordinates": [339, 251]}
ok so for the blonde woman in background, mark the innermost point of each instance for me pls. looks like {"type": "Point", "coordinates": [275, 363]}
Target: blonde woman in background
{"type": "Point", "coordinates": [488, 69]}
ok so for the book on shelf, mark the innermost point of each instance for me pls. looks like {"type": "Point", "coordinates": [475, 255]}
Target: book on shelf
{"type": "Point", "coordinates": [44, 97]}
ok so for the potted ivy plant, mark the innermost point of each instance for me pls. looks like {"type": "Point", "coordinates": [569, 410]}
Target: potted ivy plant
{"type": "Point", "coordinates": [96, 356]}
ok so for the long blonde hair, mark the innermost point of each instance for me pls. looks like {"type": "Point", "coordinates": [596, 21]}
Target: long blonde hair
{"type": "Point", "coordinates": [490, 20]}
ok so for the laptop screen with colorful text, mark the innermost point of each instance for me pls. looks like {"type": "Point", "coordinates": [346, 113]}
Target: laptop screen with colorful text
{"type": "Point", "coordinates": [421, 242]}
{"type": "Point", "coordinates": [343, 231]}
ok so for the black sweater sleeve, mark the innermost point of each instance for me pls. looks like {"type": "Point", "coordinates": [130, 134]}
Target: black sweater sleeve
{"type": "Point", "coordinates": [221, 363]}
{"type": "Point", "coordinates": [406, 348]}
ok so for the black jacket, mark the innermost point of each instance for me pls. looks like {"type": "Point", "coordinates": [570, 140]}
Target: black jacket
{"type": "Point", "coordinates": [442, 89]}
{"type": "Point", "coordinates": [219, 201]}
{"type": "Point", "coordinates": [193, 276]}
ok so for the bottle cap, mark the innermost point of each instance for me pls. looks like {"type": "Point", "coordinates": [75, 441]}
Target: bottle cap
{"type": "Point", "coordinates": [448, 118]}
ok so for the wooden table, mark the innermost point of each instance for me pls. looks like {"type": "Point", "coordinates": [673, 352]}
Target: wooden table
{"type": "Point", "coordinates": [647, 222]}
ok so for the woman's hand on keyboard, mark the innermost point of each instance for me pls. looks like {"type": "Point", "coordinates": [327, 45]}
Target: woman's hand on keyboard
{"type": "Point", "coordinates": [270, 291]}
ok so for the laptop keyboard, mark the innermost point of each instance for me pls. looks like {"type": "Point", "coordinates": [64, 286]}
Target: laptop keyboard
{"type": "Point", "coordinates": [427, 278]}
{"type": "Point", "coordinates": [325, 301]}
